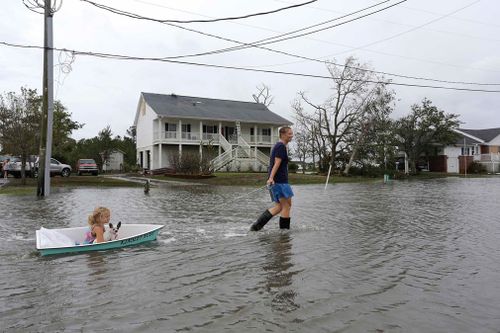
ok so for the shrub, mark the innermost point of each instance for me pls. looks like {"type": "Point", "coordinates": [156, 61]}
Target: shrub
{"type": "Point", "coordinates": [476, 167]}
{"type": "Point", "coordinates": [293, 167]}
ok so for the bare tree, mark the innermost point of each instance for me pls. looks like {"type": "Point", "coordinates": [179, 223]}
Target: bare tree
{"type": "Point", "coordinates": [263, 95]}
{"type": "Point", "coordinates": [336, 120]}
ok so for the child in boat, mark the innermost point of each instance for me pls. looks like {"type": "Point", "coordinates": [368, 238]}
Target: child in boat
{"type": "Point", "coordinates": [99, 217]}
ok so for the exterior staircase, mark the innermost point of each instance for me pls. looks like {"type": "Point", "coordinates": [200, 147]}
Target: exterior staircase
{"type": "Point", "coordinates": [241, 152]}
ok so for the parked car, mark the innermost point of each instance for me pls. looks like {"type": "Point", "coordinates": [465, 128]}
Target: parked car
{"type": "Point", "coordinates": [87, 165]}
{"type": "Point", "coordinates": [56, 168]}
{"type": "Point", "coordinates": [29, 168]}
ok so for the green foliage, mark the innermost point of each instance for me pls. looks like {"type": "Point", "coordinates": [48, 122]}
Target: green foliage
{"type": "Point", "coordinates": [476, 168]}
{"type": "Point", "coordinates": [293, 167]}
{"type": "Point", "coordinates": [423, 129]}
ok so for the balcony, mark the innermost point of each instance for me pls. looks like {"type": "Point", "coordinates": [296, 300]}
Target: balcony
{"type": "Point", "coordinates": [260, 139]}
{"type": "Point", "coordinates": [492, 157]}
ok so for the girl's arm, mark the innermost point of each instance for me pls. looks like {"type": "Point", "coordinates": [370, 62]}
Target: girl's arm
{"type": "Point", "coordinates": [99, 234]}
{"type": "Point", "coordinates": [277, 163]}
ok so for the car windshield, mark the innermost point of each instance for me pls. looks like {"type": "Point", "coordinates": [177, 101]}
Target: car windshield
{"type": "Point", "coordinates": [87, 161]}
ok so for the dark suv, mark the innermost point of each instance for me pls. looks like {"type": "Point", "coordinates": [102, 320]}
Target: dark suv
{"type": "Point", "coordinates": [87, 165]}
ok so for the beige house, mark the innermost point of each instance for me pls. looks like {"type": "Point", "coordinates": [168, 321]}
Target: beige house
{"type": "Point", "coordinates": [241, 133]}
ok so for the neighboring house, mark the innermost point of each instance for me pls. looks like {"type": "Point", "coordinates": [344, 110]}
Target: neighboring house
{"type": "Point", "coordinates": [481, 145]}
{"type": "Point", "coordinates": [239, 134]}
{"type": "Point", "coordinates": [114, 162]}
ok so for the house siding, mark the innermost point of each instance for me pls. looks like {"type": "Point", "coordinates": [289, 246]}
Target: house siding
{"type": "Point", "coordinates": [145, 126]}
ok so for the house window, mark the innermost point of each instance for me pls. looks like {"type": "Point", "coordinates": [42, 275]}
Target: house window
{"type": "Point", "coordinates": [210, 129]}
{"type": "Point", "coordinates": [252, 131]}
{"type": "Point", "coordinates": [266, 131]}
{"type": "Point", "coordinates": [170, 127]}
{"type": "Point", "coordinates": [186, 128]}
{"type": "Point", "coordinates": [465, 151]}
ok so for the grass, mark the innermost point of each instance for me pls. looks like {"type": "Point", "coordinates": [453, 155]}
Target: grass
{"type": "Point", "coordinates": [15, 186]}
{"type": "Point", "coordinates": [259, 179]}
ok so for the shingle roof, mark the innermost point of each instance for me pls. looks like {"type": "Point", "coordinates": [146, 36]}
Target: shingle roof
{"type": "Point", "coordinates": [484, 134]}
{"type": "Point", "coordinates": [215, 109]}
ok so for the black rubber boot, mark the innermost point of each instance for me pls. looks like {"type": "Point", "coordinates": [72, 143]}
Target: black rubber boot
{"type": "Point", "coordinates": [284, 222]}
{"type": "Point", "coordinates": [261, 221]}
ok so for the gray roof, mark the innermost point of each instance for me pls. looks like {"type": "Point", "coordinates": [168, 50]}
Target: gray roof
{"type": "Point", "coordinates": [487, 134]}
{"type": "Point", "coordinates": [215, 109]}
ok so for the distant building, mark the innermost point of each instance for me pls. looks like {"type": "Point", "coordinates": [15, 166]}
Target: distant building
{"type": "Point", "coordinates": [480, 145]}
{"type": "Point", "coordinates": [114, 162]}
{"type": "Point", "coordinates": [240, 133]}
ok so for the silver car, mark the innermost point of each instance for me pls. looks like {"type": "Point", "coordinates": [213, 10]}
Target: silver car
{"type": "Point", "coordinates": [57, 168]}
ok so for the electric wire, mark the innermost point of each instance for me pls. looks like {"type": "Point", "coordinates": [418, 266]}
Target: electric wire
{"type": "Point", "coordinates": [247, 45]}
{"type": "Point", "coordinates": [117, 11]}
{"type": "Point", "coordinates": [125, 57]}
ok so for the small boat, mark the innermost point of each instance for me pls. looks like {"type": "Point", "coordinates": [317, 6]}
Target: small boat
{"type": "Point", "coordinates": [70, 240]}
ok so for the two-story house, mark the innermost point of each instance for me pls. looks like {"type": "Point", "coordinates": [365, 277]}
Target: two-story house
{"type": "Point", "coordinates": [241, 133]}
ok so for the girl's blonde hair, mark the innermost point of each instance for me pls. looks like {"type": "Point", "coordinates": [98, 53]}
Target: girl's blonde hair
{"type": "Point", "coordinates": [96, 215]}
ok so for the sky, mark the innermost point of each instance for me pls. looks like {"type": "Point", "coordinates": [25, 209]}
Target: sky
{"type": "Point", "coordinates": [450, 40]}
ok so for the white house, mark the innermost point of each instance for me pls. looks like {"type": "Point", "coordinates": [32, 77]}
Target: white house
{"type": "Point", "coordinates": [241, 133]}
{"type": "Point", "coordinates": [481, 145]}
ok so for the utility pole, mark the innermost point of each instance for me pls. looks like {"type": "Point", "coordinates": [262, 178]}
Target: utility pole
{"type": "Point", "coordinates": [45, 150]}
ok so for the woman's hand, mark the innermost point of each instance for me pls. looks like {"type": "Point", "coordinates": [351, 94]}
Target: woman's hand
{"type": "Point", "coordinates": [270, 181]}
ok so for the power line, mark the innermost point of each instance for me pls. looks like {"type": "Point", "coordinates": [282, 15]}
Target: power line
{"type": "Point", "coordinates": [125, 57]}
{"type": "Point", "coordinates": [257, 44]}
{"type": "Point", "coordinates": [412, 29]}
{"type": "Point", "coordinates": [345, 45]}
{"type": "Point", "coordinates": [116, 11]}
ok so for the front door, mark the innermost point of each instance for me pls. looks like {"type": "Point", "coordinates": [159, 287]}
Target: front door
{"type": "Point", "coordinates": [230, 134]}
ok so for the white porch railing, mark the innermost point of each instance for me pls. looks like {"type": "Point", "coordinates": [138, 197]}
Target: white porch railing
{"type": "Point", "coordinates": [263, 139]}
{"type": "Point", "coordinates": [226, 146]}
{"type": "Point", "coordinates": [262, 158]}
{"type": "Point", "coordinates": [492, 157]}
{"type": "Point", "coordinates": [214, 137]}
{"type": "Point", "coordinates": [244, 145]}
{"type": "Point", "coordinates": [221, 160]}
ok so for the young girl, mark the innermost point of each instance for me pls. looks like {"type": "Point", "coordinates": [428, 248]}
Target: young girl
{"type": "Point", "coordinates": [97, 220]}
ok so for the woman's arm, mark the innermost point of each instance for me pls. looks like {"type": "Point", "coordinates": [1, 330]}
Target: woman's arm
{"type": "Point", "coordinates": [277, 163]}
{"type": "Point", "coordinates": [99, 234]}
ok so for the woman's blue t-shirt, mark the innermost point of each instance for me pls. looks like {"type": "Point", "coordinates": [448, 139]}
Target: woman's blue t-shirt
{"type": "Point", "coordinates": [279, 150]}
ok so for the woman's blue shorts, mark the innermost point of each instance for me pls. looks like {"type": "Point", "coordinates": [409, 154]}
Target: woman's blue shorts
{"type": "Point", "coordinates": [281, 190]}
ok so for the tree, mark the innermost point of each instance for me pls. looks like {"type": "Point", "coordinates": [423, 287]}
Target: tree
{"type": "Point", "coordinates": [263, 95]}
{"type": "Point", "coordinates": [105, 144]}
{"type": "Point", "coordinates": [336, 122]}
{"type": "Point", "coordinates": [19, 119]}
{"type": "Point", "coordinates": [62, 143]}
{"type": "Point", "coordinates": [425, 128]}
{"type": "Point", "coordinates": [370, 138]}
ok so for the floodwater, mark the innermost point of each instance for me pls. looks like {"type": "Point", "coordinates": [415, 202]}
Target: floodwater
{"type": "Point", "coordinates": [411, 256]}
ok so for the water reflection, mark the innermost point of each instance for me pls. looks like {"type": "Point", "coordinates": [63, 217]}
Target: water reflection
{"type": "Point", "coordinates": [279, 272]}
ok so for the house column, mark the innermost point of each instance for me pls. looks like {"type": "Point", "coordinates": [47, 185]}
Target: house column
{"type": "Point", "coordinates": [160, 164]}
{"type": "Point", "coordinates": [255, 134]}
{"type": "Point", "coordinates": [160, 132]}
{"type": "Point", "coordinates": [179, 132]}
{"type": "Point", "coordinates": [220, 134]}
{"type": "Point", "coordinates": [201, 139]}
{"type": "Point", "coordinates": [272, 134]}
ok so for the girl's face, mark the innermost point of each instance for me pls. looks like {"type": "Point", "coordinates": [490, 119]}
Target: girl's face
{"type": "Point", "coordinates": [104, 218]}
